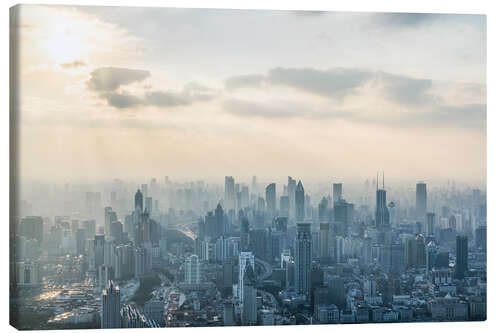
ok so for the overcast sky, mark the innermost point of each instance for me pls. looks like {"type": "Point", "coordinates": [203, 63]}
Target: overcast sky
{"type": "Point", "coordinates": [147, 92]}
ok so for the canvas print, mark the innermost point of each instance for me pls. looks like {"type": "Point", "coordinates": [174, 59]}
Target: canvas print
{"type": "Point", "coordinates": [179, 167]}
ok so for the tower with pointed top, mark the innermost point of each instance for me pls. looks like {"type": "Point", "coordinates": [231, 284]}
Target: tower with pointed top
{"type": "Point", "coordinates": [299, 202]}
{"type": "Point", "coordinates": [291, 187]}
{"type": "Point", "coordinates": [381, 211]}
{"type": "Point", "coordinates": [249, 313]}
{"type": "Point", "coordinates": [138, 201]}
{"type": "Point", "coordinates": [219, 221]}
{"type": "Point", "coordinates": [245, 259]}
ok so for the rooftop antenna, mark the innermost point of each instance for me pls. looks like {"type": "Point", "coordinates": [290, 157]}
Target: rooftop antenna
{"type": "Point", "coordinates": [383, 179]}
{"type": "Point", "coordinates": [377, 180]}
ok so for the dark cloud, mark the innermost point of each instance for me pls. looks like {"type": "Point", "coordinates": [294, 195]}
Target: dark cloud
{"type": "Point", "coordinates": [165, 98]}
{"type": "Point", "coordinates": [122, 100]}
{"type": "Point", "coordinates": [336, 82]}
{"type": "Point", "coordinates": [406, 90]}
{"type": "Point", "coordinates": [111, 78]}
{"type": "Point", "coordinates": [340, 82]}
{"type": "Point", "coordinates": [73, 64]}
{"type": "Point", "coordinates": [191, 93]}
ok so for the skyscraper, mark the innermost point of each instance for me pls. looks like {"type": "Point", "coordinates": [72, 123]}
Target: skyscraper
{"type": "Point", "coordinates": [138, 201]}
{"type": "Point", "coordinates": [430, 223]}
{"type": "Point", "coordinates": [228, 314]}
{"type": "Point", "coordinates": [299, 202]}
{"type": "Point", "coordinates": [192, 274]}
{"type": "Point", "coordinates": [249, 313]}
{"type": "Point", "coordinates": [271, 199]}
{"type": "Point", "coordinates": [98, 250]}
{"type": "Point", "coordinates": [381, 210]}
{"type": "Point", "coordinates": [415, 252]}
{"type": "Point", "coordinates": [149, 205]}
{"type": "Point", "coordinates": [219, 221]}
{"type": "Point", "coordinates": [254, 188]}
{"type": "Point", "coordinates": [303, 257]}
{"type": "Point", "coordinates": [31, 227]}
{"type": "Point", "coordinates": [244, 259]}
{"type": "Point", "coordinates": [284, 206]}
{"type": "Point", "coordinates": [229, 193]}
{"type": "Point", "coordinates": [110, 307]}
{"type": "Point", "coordinates": [343, 216]}
{"type": "Point", "coordinates": [244, 233]}
{"type": "Point", "coordinates": [462, 252]}
{"type": "Point", "coordinates": [324, 235]}
{"type": "Point", "coordinates": [337, 192]}
{"type": "Point", "coordinates": [144, 190]}
{"type": "Point", "coordinates": [323, 210]}
{"type": "Point", "coordinates": [480, 235]}
{"type": "Point", "coordinates": [109, 217]}
{"type": "Point", "coordinates": [291, 195]}
{"type": "Point", "coordinates": [421, 202]}
{"type": "Point", "coordinates": [80, 241]}
{"type": "Point", "coordinates": [245, 197]}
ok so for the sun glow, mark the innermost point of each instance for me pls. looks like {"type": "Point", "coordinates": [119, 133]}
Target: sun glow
{"type": "Point", "coordinates": [65, 43]}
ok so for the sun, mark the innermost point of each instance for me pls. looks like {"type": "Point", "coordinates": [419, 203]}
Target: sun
{"type": "Point", "coordinates": [66, 43]}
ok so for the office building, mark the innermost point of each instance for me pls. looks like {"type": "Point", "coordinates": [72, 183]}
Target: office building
{"type": "Point", "coordinates": [271, 199]}
{"type": "Point", "coordinates": [229, 194]}
{"type": "Point", "coordinates": [244, 259]}
{"type": "Point", "coordinates": [299, 202]}
{"type": "Point", "coordinates": [139, 201]}
{"type": "Point", "coordinates": [192, 270]}
{"type": "Point", "coordinates": [249, 292]}
{"type": "Point", "coordinates": [337, 192]}
{"type": "Point", "coordinates": [303, 257]}
{"type": "Point", "coordinates": [110, 307]}
{"type": "Point", "coordinates": [421, 202]}
{"type": "Point", "coordinates": [292, 184]}
{"type": "Point", "coordinates": [462, 255]}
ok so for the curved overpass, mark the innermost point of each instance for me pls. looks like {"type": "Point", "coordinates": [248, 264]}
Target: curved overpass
{"type": "Point", "coordinates": [268, 270]}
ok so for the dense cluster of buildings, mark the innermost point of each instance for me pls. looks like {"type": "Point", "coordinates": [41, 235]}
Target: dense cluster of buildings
{"type": "Point", "coordinates": [265, 258]}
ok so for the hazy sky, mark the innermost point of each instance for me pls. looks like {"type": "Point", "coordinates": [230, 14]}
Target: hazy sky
{"type": "Point", "coordinates": [147, 92]}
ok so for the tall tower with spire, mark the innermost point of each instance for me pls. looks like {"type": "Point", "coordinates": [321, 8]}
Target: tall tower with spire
{"type": "Point", "coordinates": [381, 211]}
{"type": "Point", "coordinates": [299, 202]}
{"type": "Point", "coordinates": [138, 201]}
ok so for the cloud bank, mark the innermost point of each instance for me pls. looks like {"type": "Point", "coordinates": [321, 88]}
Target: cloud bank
{"type": "Point", "coordinates": [111, 78]}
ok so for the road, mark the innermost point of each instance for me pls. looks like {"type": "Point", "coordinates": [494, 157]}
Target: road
{"type": "Point", "coordinates": [186, 231]}
{"type": "Point", "coordinates": [268, 270]}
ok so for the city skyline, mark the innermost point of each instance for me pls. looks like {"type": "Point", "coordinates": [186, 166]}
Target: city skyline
{"type": "Point", "coordinates": [124, 93]}
{"type": "Point", "coordinates": [242, 250]}
{"type": "Point", "coordinates": [177, 167]}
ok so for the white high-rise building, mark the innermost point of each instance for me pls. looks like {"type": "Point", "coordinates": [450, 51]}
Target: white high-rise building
{"type": "Point", "coordinates": [249, 304]}
{"type": "Point", "coordinates": [244, 257]}
{"type": "Point", "coordinates": [192, 274]}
